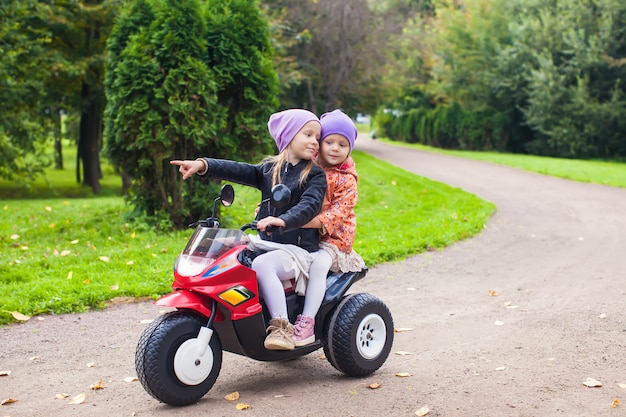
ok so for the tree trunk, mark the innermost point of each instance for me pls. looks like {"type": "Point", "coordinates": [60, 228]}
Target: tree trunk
{"type": "Point", "coordinates": [89, 142]}
{"type": "Point", "coordinates": [58, 146]}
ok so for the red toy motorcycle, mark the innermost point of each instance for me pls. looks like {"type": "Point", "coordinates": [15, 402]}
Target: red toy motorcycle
{"type": "Point", "coordinates": [179, 355]}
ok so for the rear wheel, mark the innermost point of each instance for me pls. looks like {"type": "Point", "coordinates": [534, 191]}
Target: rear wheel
{"type": "Point", "coordinates": [171, 362]}
{"type": "Point", "coordinates": [358, 335]}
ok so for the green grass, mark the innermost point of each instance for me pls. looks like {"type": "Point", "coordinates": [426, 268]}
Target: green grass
{"type": "Point", "coordinates": [597, 172]}
{"type": "Point", "coordinates": [64, 250]}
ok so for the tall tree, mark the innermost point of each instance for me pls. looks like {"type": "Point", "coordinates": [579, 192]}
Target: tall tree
{"type": "Point", "coordinates": [184, 81]}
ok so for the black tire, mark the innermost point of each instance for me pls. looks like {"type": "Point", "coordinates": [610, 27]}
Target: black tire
{"type": "Point", "coordinates": [157, 349]}
{"type": "Point", "coordinates": [358, 335]}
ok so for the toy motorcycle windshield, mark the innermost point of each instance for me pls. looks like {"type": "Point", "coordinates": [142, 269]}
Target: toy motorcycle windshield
{"type": "Point", "coordinates": [205, 246]}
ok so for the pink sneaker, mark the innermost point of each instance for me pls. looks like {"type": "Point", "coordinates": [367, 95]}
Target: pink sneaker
{"type": "Point", "coordinates": [304, 330]}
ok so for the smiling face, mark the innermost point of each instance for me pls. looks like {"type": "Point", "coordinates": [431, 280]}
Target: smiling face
{"type": "Point", "coordinates": [305, 144]}
{"type": "Point", "coordinates": [334, 150]}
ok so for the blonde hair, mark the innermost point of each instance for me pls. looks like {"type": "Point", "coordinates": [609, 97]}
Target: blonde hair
{"type": "Point", "coordinates": [279, 161]}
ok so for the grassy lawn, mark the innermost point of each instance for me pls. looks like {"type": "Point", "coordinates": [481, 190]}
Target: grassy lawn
{"type": "Point", "coordinates": [63, 250]}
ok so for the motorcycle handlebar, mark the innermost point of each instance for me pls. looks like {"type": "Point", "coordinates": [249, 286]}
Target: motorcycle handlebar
{"type": "Point", "coordinates": [268, 229]}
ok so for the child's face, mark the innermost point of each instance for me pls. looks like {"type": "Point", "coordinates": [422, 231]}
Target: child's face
{"type": "Point", "coordinates": [305, 144]}
{"type": "Point", "coordinates": [334, 150]}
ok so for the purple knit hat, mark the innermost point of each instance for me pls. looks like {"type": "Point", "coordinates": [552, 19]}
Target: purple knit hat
{"type": "Point", "coordinates": [284, 125]}
{"type": "Point", "coordinates": [340, 123]}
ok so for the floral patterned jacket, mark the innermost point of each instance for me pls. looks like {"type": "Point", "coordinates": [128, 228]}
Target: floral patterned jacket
{"type": "Point", "coordinates": [337, 215]}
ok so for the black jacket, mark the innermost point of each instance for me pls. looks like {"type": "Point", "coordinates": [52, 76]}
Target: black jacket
{"type": "Point", "coordinates": [306, 200]}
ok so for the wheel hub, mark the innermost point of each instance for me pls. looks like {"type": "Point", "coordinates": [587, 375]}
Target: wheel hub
{"type": "Point", "coordinates": [189, 366]}
{"type": "Point", "coordinates": [371, 336]}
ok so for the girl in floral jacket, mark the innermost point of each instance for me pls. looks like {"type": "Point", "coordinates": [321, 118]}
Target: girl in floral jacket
{"type": "Point", "coordinates": [337, 220]}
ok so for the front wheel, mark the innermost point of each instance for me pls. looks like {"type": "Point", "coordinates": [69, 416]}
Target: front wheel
{"type": "Point", "coordinates": [358, 335]}
{"type": "Point", "coordinates": [171, 362]}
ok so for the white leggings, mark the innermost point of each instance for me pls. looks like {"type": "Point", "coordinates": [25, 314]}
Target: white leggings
{"type": "Point", "coordinates": [270, 272]}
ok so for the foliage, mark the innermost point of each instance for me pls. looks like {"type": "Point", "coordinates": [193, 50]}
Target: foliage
{"type": "Point", "coordinates": [179, 86]}
{"type": "Point", "coordinates": [80, 253]}
{"type": "Point", "coordinates": [518, 76]}
{"type": "Point", "coordinates": [23, 125]}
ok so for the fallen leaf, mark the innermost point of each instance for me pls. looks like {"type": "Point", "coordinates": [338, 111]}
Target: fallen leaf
{"type": "Point", "coordinates": [375, 386]}
{"type": "Point", "coordinates": [115, 287]}
{"type": "Point", "coordinates": [622, 385]}
{"type": "Point", "coordinates": [73, 242]}
{"type": "Point", "coordinates": [422, 411]}
{"type": "Point", "coordinates": [97, 385]}
{"type": "Point", "coordinates": [91, 365]}
{"type": "Point", "coordinates": [61, 396]}
{"type": "Point", "coordinates": [233, 396]}
{"type": "Point", "coordinates": [33, 358]}
{"type": "Point", "coordinates": [615, 403]}
{"type": "Point", "coordinates": [15, 237]}
{"type": "Point", "coordinates": [65, 252]}
{"type": "Point", "coordinates": [5, 373]}
{"type": "Point", "coordinates": [602, 316]}
{"type": "Point", "coordinates": [48, 208]}
{"type": "Point", "coordinates": [131, 379]}
{"type": "Point", "coordinates": [130, 262]}
{"type": "Point", "coordinates": [403, 353]}
{"type": "Point", "coordinates": [19, 316]}
{"type": "Point", "coordinates": [500, 368]}
{"type": "Point", "coordinates": [146, 321]}
{"type": "Point", "coordinates": [163, 250]}
{"type": "Point", "coordinates": [403, 374]}
{"type": "Point", "coordinates": [8, 401]}
{"type": "Point", "coordinates": [498, 323]}
{"type": "Point", "coordinates": [492, 293]}
{"type": "Point", "coordinates": [104, 258]}
{"type": "Point", "coordinates": [70, 274]}
{"type": "Point", "coordinates": [242, 406]}
{"type": "Point", "coordinates": [79, 399]}
{"type": "Point", "coordinates": [87, 281]}
{"type": "Point", "coordinates": [402, 329]}
{"type": "Point", "coordinates": [591, 383]}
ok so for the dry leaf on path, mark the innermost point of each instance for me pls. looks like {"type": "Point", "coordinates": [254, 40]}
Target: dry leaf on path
{"type": "Point", "coordinates": [492, 293]}
{"type": "Point", "coordinates": [622, 385]}
{"type": "Point", "coordinates": [403, 374]}
{"type": "Point", "coordinates": [242, 406]}
{"type": "Point", "coordinates": [615, 403]}
{"type": "Point", "coordinates": [499, 323]}
{"type": "Point", "coordinates": [61, 396]}
{"type": "Point", "coordinates": [374, 386]}
{"type": "Point", "coordinates": [233, 396]}
{"type": "Point", "coordinates": [592, 383]}
{"type": "Point", "coordinates": [131, 379]}
{"type": "Point", "coordinates": [402, 329]}
{"type": "Point", "coordinates": [91, 365]}
{"type": "Point", "coordinates": [8, 401]}
{"type": "Point", "coordinates": [422, 411]}
{"type": "Point", "coordinates": [5, 373]}
{"type": "Point", "coordinates": [403, 353]}
{"type": "Point", "coordinates": [79, 399]}
{"type": "Point", "coordinates": [97, 385]}
{"type": "Point", "coordinates": [19, 316]}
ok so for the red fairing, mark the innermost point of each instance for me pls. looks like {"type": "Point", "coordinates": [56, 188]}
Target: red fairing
{"type": "Point", "coordinates": [183, 299]}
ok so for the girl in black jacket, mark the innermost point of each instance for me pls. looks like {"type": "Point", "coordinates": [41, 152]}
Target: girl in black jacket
{"type": "Point", "coordinates": [296, 132]}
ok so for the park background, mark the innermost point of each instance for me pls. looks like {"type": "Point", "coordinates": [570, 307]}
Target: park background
{"type": "Point", "coordinates": [98, 96]}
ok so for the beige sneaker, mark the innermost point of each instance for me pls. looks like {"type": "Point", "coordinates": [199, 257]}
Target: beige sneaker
{"type": "Point", "coordinates": [279, 335]}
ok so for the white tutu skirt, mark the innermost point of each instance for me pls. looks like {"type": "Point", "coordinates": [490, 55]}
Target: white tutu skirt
{"type": "Point", "coordinates": [342, 261]}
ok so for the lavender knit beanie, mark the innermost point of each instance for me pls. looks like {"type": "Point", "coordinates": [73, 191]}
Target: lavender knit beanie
{"type": "Point", "coordinates": [337, 122]}
{"type": "Point", "coordinates": [284, 125]}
